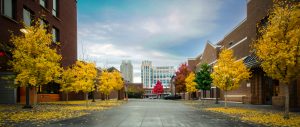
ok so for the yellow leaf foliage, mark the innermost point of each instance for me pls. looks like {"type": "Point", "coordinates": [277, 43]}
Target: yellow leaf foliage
{"type": "Point", "coordinates": [33, 60]}
{"type": "Point", "coordinates": [85, 76]}
{"type": "Point", "coordinates": [106, 82]}
{"type": "Point", "coordinates": [67, 80]}
{"type": "Point", "coordinates": [278, 48]}
{"type": "Point", "coordinates": [110, 81]}
{"type": "Point", "coordinates": [119, 84]}
{"type": "Point", "coordinates": [190, 84]}
{"type": "Point", "coordinates": [228, 73]}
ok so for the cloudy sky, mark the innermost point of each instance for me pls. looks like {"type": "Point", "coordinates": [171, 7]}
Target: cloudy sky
{"type": "Point", "coordinates": [167, 32]}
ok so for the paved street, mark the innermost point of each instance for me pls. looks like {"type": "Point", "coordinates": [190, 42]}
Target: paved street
{"type": "Point", "coordinates": [152, 113]}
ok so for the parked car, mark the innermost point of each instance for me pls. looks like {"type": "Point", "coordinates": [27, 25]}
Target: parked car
{"type": "Point", "coordinates": [153, 97]}
{"type": "Point", "coordinates": [172, 97]}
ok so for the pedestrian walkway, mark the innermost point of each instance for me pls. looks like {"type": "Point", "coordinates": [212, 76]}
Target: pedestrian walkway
{"type": "Point", "coordinates": [268, 108]}
{"type": "Point", "coordinates": [152, 113]}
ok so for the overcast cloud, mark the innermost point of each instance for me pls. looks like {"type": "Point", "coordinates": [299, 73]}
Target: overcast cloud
{"type": "Point", "coordinates": [166, 32]}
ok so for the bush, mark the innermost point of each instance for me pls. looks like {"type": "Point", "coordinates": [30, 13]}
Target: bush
{"type": "Point", "coordinates": [134, 95]}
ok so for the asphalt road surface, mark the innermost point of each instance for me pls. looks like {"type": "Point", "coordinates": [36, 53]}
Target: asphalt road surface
{"type": "Point", "coordinates": [152, 113]}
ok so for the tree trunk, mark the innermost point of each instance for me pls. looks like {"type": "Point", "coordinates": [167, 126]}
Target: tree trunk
{"type": "Point", "coordinates": [27, 105]}
{"type": "Point", "coordinates": [217, 102]}
{"type": "Point", "coordinates": [35, 96]}
{"type": "Point", "coordinates": [119, 98]}
{"type": "Point", "coordinates": [102, 96]}
{"type": "Point", "coordinates": [67, 96]}
{"type": "Point", "coordinates": [93, 94]}
{"type": "Point", "coordinates": [225, 96]}
{"type": "Point", "coordinates": [86, 99]}
{"type": "Point", "coordinates": [287, 101]}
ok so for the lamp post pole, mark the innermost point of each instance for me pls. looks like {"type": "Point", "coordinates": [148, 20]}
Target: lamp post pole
{"type": "Point", "coordinates": [173, 85]}
{"type": "Point", "coordinates": [217, 95]}
{"type": "Point", "coordinates": [217, 92]}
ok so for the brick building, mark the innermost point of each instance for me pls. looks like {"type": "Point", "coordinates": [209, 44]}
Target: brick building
{"type": "Point", "coordinates": [259, 89]}
{"type": "Point", "coordinates": [61, 18]}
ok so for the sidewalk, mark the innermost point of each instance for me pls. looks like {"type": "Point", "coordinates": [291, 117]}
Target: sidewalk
{"type": "Point", "coordinates": [211, 103]}
{"type": "Point", "coordinates": [266, 115]}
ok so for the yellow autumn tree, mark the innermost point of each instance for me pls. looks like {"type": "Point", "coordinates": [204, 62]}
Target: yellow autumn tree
{"type": "Point", "coordinates": [118, 83]}
{"type": "Point", "coordinates": [190, 83]}
{"type": "Point", "coordinates": [278, 47]}
{"type": "Point", "coordinates": [33, 60]}
{"type": "Point", "coordinates": [67, 80]}
{"type": "Point", "coordinates": [86, 74]}
{"type": "Point", "coordinates": [106, 82]}
{"type": "Point", "coordinates": [228, 73]}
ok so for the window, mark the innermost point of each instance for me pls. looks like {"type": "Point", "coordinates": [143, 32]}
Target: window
{"type": "Point", "coordinates": [54, 9]}
{"type": "Point", "coordinates": [7, 8]}
{"type": "Point", "coordinates": [55, 35]}
{"type": "Point", "coordinates": [42, 22]}
{"type": "Point", "coordinates": [261, 24]}
{"type": "Point", "coordinates": [27, 17]}
{"type": "Point", "coordinates": [43, 3]}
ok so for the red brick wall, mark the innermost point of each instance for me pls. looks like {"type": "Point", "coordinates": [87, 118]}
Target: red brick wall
{"type": "Point", "coordinates": [48, 97]}
{"type": "Point", "coordinates": [256, 10]}
{"type": "Point", "coordinates": [39, 97]}
{"type": "Point", "coordinates": [238, 94]}
{"type": "Point", "coordinates": [192, 64]}
{"type": "Point", "coordinates": [209, 55]}
{"type": "Point", "coordinates": [298, 93]}
{"type": "Point", "coordinates": [66, 23]}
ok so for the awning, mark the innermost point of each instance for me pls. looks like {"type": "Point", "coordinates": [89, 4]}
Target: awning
{"type": "Point", "coordinates": [251, 61]}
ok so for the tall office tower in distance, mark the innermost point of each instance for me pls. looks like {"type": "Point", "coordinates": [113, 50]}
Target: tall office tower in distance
{"type": "Point", "coordinates": [127, 70]}
{"type": "Point", "coordinates": [146, 73]}
{"type": "Point", "coordinates": [151, 74]}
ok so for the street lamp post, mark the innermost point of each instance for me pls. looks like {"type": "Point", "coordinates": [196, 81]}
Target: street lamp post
{"type": "Point", "coordinates": [217, 95]}
{"type": "Point", "coordinates": [217, 92]}
{"type": "Point", "coordinates": [173, 85]}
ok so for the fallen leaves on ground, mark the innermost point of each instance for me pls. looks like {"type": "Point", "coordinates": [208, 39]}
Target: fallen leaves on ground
{"type": "Point", "coordinates": [51, 111]}
{"type": "Point", "coordinates": [260, 117]}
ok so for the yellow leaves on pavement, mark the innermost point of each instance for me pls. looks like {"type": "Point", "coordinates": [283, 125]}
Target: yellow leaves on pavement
{"type": "Point", "coordinates": [260, 117]}
{"type": "Point", "coordinates": [51, 111]}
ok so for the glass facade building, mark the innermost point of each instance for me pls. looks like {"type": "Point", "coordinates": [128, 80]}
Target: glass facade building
{"type": "Point", "coordinates": [151, 74]}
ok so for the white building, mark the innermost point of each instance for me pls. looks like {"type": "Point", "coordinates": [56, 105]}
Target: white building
{"type": "Point", "coordinates": [151, 74]}
{"type": "Point", "coordinates": [127, 70]}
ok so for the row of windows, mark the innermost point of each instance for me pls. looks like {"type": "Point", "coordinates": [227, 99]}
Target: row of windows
{"type": "Point", "coordinates": [44, 3]}
{"type": "Point", "coordinates": [8, 7]}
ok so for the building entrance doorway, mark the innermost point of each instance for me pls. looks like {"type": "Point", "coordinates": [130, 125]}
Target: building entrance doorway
{"type": "Point", "coordinates": [294, 96]}
{"type": "Point", "coordinates": [270, 88]}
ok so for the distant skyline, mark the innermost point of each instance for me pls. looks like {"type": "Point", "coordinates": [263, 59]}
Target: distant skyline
{"type": "Point", "coordinates": [163, 31]}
